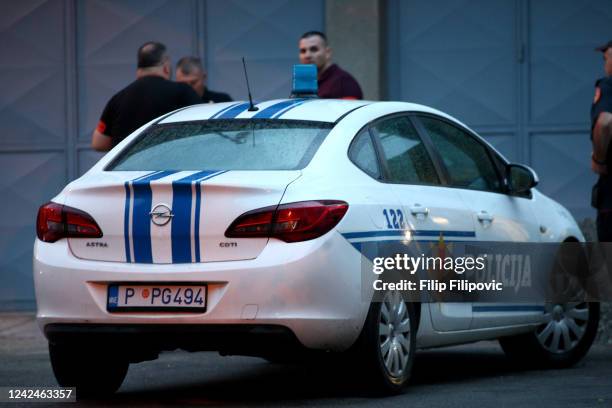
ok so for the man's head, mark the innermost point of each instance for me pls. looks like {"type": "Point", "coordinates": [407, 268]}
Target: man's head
{"type": "Point", "coordinates": [606, 49]}
{"type": "Point", "coordinates": [189, 70]}
{"type": "Point", "coordinates": [153, 60]}
{"type": "Point", "coordinates": [314, 50]}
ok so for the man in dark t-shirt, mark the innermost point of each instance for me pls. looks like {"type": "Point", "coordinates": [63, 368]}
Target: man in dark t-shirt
{"type": "Point", "coordinates": [334, 82]}
{"type": "Point", "coordinates": [601, 135]}
{"type": "Point", "coordinates": [151, 95]}
{"type": "Point", "coordinates": [189, 70]}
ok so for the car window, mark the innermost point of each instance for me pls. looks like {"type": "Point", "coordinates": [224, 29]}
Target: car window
{"type": "Point", "coordinates": [224, 145]}
{"type": "Point", "coordinates": [406, 157]}
{"type": "Point", "coordinates": [362, 153]}
{"type": "Point", "coordinates": [466, 159]}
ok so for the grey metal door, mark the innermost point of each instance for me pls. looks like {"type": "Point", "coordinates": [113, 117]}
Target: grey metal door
{"type": "Point", "coordinates": [62, 61]}
{"type": "Point", "coordinates": [520, 72]}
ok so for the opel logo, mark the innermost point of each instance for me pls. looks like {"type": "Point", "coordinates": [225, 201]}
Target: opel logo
{"type": "Point", "coordinates": [161, 214]}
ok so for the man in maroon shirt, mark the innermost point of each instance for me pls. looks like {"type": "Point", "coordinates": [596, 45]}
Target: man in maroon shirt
{"type": "Point", "coordinates": [334, 82]}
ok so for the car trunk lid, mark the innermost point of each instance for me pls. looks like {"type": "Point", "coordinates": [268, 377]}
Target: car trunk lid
{"type": "Point", "coordinates": [168, 217]}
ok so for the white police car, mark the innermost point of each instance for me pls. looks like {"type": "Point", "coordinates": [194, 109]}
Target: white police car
{"type": "Point", "coordinates": [222, 228]}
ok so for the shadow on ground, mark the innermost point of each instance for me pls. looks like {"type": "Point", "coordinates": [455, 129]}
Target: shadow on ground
{"type": "Point", "coordinates": [260, 382]}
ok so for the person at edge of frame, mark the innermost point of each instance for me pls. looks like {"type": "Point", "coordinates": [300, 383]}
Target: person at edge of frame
{"type": "Point", "coordinates": [601, 134]}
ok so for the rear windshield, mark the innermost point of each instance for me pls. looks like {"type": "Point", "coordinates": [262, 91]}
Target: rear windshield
{"type": "Point", "coordinates": [224, 145]}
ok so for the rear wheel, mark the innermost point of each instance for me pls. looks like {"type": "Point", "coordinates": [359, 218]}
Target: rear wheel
{"type": "Point", "coordinates": [92, 372]}
{"type": "Point", "coordinates": [386, 347]}
{"type": "Point", "coordinates": [561, 341]}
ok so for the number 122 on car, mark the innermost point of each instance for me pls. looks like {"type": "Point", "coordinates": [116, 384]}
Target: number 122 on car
{"type": "Point", "coordinates": [130, 297]}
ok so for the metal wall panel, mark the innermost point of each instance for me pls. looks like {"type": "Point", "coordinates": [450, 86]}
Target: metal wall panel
{"type": "Point", "coordinates": [32, 101]}
{"type": "Point", "coordinates": [108, 35]}
{"type": "Point", "coordinates": [520, 72]}
{"type": "Point", "coordinates": [563, 63]}
{"type": "Point", "coordinates": [28, 180]}
{"type": "Point", "coordinates": [266, 33]}
{"type": "Point", "coordinates": [459, 57]}
{"type": "Point", "coordinates": [559, 159]}
{"type": "Point", "coordinates": [562, 71]}
{"type": "Point", "coordinates": [32, 123]}
{"type": "Point", "coordinates": [68, 57]}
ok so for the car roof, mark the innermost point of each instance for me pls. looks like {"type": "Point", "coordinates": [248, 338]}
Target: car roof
{"type": "Point", "coordinates": [307, 109]}
{"type": "Point", "coordinates": [321, 110]}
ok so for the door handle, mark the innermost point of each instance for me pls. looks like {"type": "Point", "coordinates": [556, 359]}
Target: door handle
{"type": "Point", "coordinates": [419, 211]}
{"type": "Point", "coordinates": [484, 216]}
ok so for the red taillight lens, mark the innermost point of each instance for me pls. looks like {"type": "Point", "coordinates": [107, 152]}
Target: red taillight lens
{"type": "Point", "coordinates": [56, 221]}
{"type": "Point", "coordinates": [289, 222]}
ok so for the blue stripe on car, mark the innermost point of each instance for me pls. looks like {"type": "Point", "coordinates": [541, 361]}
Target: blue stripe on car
{"type": "Point", "coordinates": [181, 221]}
{"type": "Point", "coordinates": [224, 110]}
{"type": "Point", "coordinates": [402, 234]}
{"type": "Point", "coordinates": [126, 215]}
{"type": "Point", "coordinates": [508, 308]}
{"type": "Point", "coordinates": [272, 110]}
{"type": "Point", "coordinates": [196, 222]}
{"type": "Point", "coordinates": [141, 220]}
{"type": "Point", "coordinates": [279, 114]}
{"type": "Point", "coordinates": [196, 226]}
{"type": "Point", "coordinates": [232, 112]}
{"type": "Point", "coordinates": [126, 222]}
{"type": "Point", "coordinates": [358, 239]}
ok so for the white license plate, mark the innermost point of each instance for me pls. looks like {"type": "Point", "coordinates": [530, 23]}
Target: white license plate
{"type": "Point", "coordinates": [138, 297]}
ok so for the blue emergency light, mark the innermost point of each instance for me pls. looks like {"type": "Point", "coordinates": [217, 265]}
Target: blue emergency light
{"type": "Point", "coordinates": [304, 81]}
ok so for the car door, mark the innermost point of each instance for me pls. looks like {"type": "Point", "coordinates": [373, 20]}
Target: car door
{"type": "Point", "coordinates": [470, 167]}
{"type": "Point", "coordinates": [433, 215]}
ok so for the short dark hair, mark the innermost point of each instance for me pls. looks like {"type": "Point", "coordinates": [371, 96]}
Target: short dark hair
{"type": "Point", "coordinates": [189, 64]}
{"type": "Point", "coordinates": [151, 54]}
{"type": "Point", "coordinates": [308, 34]}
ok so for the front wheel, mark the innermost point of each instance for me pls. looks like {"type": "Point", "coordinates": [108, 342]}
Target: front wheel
{"type": "Point", "coordinates": [561, 341]}
{"type": "Point", "coordinates": [386, 347]}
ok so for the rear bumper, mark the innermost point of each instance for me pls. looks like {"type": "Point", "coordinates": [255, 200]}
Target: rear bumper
{"type": "Point", "coordinates": [311, 290]}
{"type": "Point", "coordinates": [149, 339]}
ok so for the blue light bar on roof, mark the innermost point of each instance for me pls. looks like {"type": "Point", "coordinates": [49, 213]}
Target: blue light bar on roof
{"type": "Point", "coordinates": [304, 81]}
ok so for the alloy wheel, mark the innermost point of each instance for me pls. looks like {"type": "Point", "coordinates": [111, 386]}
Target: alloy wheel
{"type": "Point", "coordinates": [394, 334]}
{"type": "Point", "coordinates": [565, 325]}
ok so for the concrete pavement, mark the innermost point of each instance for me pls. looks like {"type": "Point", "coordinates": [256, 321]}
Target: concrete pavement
{"type": "Point", "coordinates": [471, 375]}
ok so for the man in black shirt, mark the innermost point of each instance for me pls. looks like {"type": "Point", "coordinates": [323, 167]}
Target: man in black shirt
{"type": "Point", "coordinates": [189, 71]}
{"type": "Point", "coordinates": [601, 134]}
{"type": "Point", "coordinates": [151, 95]}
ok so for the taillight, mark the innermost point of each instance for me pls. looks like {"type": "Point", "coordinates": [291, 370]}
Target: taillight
{"type": "Point", "coordinates": [56, 221]}
{"type": "Point", "coordinates": [292, 222]}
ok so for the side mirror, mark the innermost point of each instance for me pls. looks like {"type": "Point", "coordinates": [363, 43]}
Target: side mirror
{"type": "Point", "coordinates": [520, 178]}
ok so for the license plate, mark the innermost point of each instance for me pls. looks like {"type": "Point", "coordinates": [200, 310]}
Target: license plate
{"type": "Point", "coordinates": [152, 297]}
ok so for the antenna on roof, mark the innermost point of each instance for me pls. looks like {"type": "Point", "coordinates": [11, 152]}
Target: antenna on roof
{"type": "Point", "coordinates": [252, 108]}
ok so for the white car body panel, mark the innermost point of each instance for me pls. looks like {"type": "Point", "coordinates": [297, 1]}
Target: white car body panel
{"type": "Point", "coordinates": [115, 214]}
{"type": "Point", "coordinates": [314, 287]}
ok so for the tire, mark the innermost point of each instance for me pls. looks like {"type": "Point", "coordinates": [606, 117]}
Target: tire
{"type": "Point", "coordinates": [385, 349]}
{"type": "Point", "coordinates": [92, 373]}
{"type": "Point", "coordinates": [560, 342]}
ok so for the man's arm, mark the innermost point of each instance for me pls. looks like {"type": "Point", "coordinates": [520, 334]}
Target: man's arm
{"type": "Point", "coordinates": [102, 136]}
{"type": "Point", "coordinates": [351, 88]}
{"type": "Point", "coordinates": [602, 134]}
{"type": "Point", "coordinates": [100, 141]}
